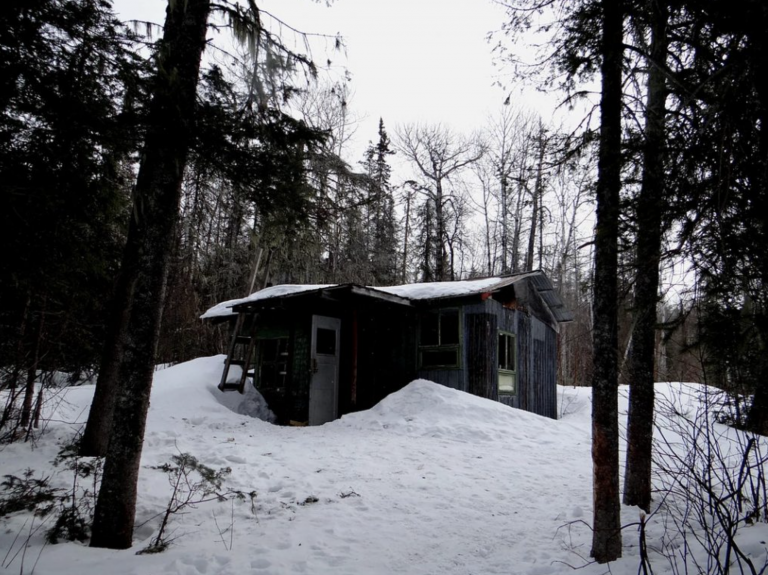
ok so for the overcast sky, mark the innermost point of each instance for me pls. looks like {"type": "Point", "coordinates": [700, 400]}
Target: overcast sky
{"type": "Point", "coordinates": [410, 60]}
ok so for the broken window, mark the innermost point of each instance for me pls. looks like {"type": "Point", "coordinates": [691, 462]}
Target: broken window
{"type": "Point", "coordinates": [440, 337]}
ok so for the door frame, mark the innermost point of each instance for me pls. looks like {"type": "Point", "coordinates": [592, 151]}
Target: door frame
{"type": "Point", "coordinates": [324, 322]}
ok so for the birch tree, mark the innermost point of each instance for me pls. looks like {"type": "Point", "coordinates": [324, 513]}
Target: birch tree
{"type": "Point", "coordinates": [439, 156]}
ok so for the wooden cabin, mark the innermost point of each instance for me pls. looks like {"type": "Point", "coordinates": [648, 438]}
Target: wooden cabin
{"type": "Point", "coordinates": [316, 352]}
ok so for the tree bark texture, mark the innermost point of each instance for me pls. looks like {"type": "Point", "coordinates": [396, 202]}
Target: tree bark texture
{"type": "Point", "coordinates": [440, 253]}
{"type": "Point", "coordinates": [29, 388]}
{"type": "Point", "coordinates": [650, 205]}
{"type": "Point", "coordinates": [96, 434]}
{"type": "Point", "coordinates": [150, 234]}
{"type": "Point", "coordinates": [606, 535]}
{"type": "Point", "coordinates": [758, 414]}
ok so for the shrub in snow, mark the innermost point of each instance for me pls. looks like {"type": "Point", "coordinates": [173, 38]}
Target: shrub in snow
{"type": "Point", "coordinates": [713, 484]}
{"type": "Point", "coordinates": [71, 508]}
{"type": "Point", "coordinates": [28, 493]}
{"type": "Point", "coordinates": [191, 483]}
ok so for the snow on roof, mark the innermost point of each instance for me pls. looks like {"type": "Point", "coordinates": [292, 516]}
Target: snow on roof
{"type": "Point", "coordinates": [434, 290]}
{"type": "Point", "coordinates": [418, 291]}
{"type": "Point", "coordinates": [224, 308]}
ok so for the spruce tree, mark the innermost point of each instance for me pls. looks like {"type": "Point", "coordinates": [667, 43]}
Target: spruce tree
{"type": "Point", "coordinates": [156, 207]}
{"type": "Point", "coordinates": [651, 205]}
{"type": "Point", "coordinates": [380, 206]}
{"type": "Point", "coordinates": [71, 93]}
{"type": "Point", "coordinates": [606, 525]}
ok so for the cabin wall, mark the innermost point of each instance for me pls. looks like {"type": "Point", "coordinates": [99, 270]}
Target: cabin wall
{"type": "Point", "coordinates": [481, 333]}
{"type": "Point", "coordinates": [381, 337]}
{"type": "Point", "coordinates": [379, 354]}
{"type": "Point", "coordinates": [386, 354]}
{"type": "Point", "coordinates": [536, 356]}
{"type": "Point", "coordinates": [537, 367]}
{"type": "Point", "coordinates": [290, 399]}
{"type": "Point", "coordinates": [544, 370]}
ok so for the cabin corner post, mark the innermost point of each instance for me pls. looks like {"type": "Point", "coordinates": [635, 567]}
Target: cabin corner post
{"type": "Point", "coordinates": [355, 349]}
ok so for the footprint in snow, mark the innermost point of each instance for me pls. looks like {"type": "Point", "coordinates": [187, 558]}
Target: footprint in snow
{"type": "Point", "coordinates": [189, 566]}
{"type": "Point", "coordinates": [261, 563]}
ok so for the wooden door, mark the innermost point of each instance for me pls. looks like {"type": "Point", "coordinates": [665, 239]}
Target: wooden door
{"type": "Point", "coordinates": [324, 361]}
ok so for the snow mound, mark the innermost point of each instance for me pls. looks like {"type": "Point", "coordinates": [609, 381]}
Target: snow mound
{"type": "Point", "coordinates": [190, 389]}
{"type": "Point", "coordinates": [425, 408]}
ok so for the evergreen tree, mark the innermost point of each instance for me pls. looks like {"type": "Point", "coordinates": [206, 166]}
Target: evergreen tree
{"type": "Point", "coordinates": [606, 534]}
{"type": "Point", "coordinates": [651, 206]}
{"type": "Point", "coordinates": [145, 260]}
{"type": "Point", "coordinates": [724, 202]}
{"type": "Point", "coordinates": [380, 207]}
{"type": "Point", "coordinates": [71, 95]}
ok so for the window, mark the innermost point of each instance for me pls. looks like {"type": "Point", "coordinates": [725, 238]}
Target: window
{"type": "Point", "coordinates": [440, 337]}
{"type": "Point", "coordinates": [507, 364]}
{"type": "Point", "coordinates": [273, 365]}
{"type": "Point", "coordinates": [325, 341]}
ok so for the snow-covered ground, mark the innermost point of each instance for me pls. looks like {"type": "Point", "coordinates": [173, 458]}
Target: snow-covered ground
{"type": "Point", "coordinates": [430, 481]}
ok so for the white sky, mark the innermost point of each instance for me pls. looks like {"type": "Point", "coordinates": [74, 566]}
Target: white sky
{"type": "Point", "coordinates": [410, 60]}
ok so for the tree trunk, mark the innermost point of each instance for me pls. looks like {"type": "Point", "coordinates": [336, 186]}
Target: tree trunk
{"type": "Point", "coordinates": [517, 224]}
{"type": "Point", "coordinates": [406, 236]}
{"type": "Point", "coordinates": [29, 389]}
{"type": "Point", "coordinates": [150, 234]}
{"type": "Point", "coordinates": [96, 434]}
{"type": "Point", "coordinates": [504, 226]}
{"type": "Point", "coordinates": [606, 534]}
{"type": "Point", "coordinates": [757, 420]}
{"type": "Point", "coordinates": [537, 192]}
{"type": "Point", "coordinates": [440, 235]}
{"type": "Point", "coordinates": [637, 477]}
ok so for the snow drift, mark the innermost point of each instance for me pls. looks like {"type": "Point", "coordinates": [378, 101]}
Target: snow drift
{"type": "Point", "coordinates": [429, 481]}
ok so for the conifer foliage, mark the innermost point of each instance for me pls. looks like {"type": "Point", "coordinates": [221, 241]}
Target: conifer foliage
{"type": "Point", "coordinates": [71, 100]}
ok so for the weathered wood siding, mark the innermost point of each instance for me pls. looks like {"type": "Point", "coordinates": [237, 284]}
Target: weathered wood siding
{"type": "Point", "coordinates": [524, 352]}
{"type": "Point", "coordinates": [481, 331]}
{"type": "Point", "coordinates": [387, 354]}
{"type": "Point", "coordinates": [454, 378]}
{"type": "Point", "coordinates": [536, 356]}
{"type": "Point", "coordinates": [542, 384]}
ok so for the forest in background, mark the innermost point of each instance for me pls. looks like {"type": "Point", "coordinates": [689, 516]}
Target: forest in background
{"type": "Point", "coordinates": [270, 183]}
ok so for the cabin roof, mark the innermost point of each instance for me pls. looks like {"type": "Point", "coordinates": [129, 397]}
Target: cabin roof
{"type": "Point", "coordinates": [402, 294]}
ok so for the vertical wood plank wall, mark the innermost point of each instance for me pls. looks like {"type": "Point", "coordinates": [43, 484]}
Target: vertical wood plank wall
{"type": "Point", "coordinates": [481, 333]}
{"type": "Point", "coordinates": [536, 357]}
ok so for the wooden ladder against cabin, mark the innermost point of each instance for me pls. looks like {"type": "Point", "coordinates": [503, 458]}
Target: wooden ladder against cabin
{"type": "Point", "coordinates": [241, 350]}
{"type": "Point", "coordinates": [242, 346]}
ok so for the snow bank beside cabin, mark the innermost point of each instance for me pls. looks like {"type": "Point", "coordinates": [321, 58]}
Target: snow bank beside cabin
{"type": "Point", "coordinates": [429, 481]}
{"type": "Point", "coordinates": [190, 389]}
{"type": "Point", "coordinates": [425, 408]}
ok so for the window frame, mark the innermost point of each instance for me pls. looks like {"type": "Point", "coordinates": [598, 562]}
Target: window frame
{"type": "Point", "coordinates": [276, 361]}
{"type": "Point", "coordinates": [440, 346]}
{"type": "Point", "coordinates": [503, 370]}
